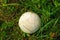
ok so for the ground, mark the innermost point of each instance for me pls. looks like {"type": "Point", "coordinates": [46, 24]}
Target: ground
{"type": "Point", "coordinates": [48, 11]}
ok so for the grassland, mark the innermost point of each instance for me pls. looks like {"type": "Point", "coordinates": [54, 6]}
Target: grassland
{"type": "Point", "coordinates": [48, 11]}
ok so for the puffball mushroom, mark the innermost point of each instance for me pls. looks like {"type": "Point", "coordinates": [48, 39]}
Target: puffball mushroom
{"type": "Point", "coordinates": [29, 22]}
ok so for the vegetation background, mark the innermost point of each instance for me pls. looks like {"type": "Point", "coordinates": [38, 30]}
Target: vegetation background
{"type": "Point", "coordinates": [48, 10]}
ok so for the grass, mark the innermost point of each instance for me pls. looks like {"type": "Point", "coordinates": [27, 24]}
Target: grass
{"type": "Point", "coordinates": [48, 11]}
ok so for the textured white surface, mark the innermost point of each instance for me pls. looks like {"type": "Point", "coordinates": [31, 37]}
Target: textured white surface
{"type": "Point", "coordinates": [29, 22]}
